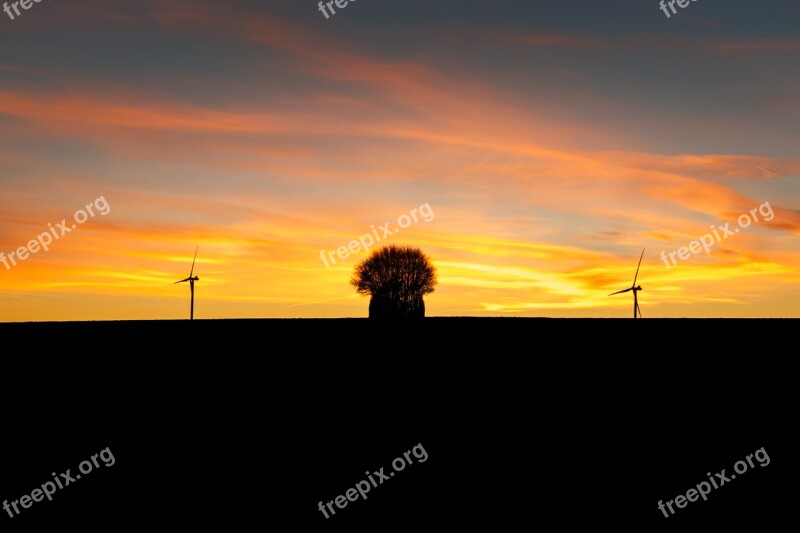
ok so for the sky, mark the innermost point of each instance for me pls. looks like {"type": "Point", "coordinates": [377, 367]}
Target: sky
{"type": "Point", "coordinates": [540, 146]}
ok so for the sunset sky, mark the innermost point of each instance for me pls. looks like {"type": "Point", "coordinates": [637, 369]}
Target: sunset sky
{"type": "Point", "coordinates": [552, 140]}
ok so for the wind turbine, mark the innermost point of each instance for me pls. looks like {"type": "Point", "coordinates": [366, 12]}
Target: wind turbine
{"type": "Point", "coordinates": [191, 281]}
{"type": "Point", "coordinates": [635, 289]}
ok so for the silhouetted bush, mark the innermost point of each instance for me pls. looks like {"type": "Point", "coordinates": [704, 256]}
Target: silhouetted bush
{"type": "Point", "coordinates": [396, 278]}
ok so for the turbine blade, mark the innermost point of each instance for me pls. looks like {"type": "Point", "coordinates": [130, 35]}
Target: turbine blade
{"type": "Point", "coordinates": [620, 292]}
{"type": "Point", "coordinates": [181, 281]}
{"type": "Point", "coordinates": [195, 259]}
{"type": "Point", "coordinates": [639, 309]}
{"type": "Point", "coordinates": [637, 268]}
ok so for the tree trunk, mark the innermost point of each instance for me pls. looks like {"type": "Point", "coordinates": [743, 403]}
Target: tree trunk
{"type": "Point", "coordinates": [384, 306]}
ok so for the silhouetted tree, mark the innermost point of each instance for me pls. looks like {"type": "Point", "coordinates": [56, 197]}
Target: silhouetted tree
{"type": "Point", "coordinates": [396, 277]}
